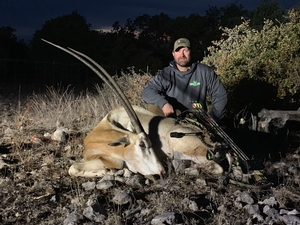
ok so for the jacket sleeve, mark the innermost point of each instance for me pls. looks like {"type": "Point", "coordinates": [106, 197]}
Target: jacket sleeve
{"type": "Point", "coordinates": [154, 92]}
{"type": "Point", "coordinates": [218, 95]}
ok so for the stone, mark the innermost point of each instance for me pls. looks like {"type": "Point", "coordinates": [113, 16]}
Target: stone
{"type": "Point", "coordinates": [89, 185]}
{"type": "Point", "coordinates": [270, 201]}
{"type": "Point", "coordinates": [165, 218]}
{"type": "Point", "coordinates": [253, 209]}
{"type": "Point", "coordinates": [103, 185]}
{"type": "Point", "coordinates": [121, 198]}
{"type": "Point", "coordinates": [291, 219]}
{"type": "Point", "coordinates": [71, 219]}
{"type": "Point", "coordinates": [246, 198]}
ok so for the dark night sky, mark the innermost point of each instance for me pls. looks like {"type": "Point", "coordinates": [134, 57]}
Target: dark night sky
{"type": "Point", "coordinates": [27, 16]}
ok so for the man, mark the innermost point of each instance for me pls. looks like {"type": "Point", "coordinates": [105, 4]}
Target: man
{"type": "Point", "coordinates": [183, 82]}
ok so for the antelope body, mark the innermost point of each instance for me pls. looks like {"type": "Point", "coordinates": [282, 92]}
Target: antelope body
{"type": "Point", "coordinates": [137, 138]}
{"type": "Point", "coordinates": [114, 143]}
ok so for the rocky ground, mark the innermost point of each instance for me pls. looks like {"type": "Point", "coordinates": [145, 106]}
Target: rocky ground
{"type": "Point", "coordinates": [35, 187]}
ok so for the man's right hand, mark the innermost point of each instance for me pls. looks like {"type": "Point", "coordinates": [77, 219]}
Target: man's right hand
{"type": "Point", "coordinates": [167, 109]}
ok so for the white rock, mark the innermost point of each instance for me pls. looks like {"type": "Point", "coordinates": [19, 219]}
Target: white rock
{"type": "Point", "coordinates": [290, 219]}
{"type": "Point", "coordinates": [161, 183]}
{"type": "Point", "coordinates": [193, 172]}
{"type": "Point", "coordinates": [121, 198]}
{"type": "Point", "coordinates": [89, 185]}
{"type": "Point", "coordinates": [103, 185]}
{"type": "Point", "coordinates": [89, 213]}
{"type": "Point", "coordinates": [145, 212]}
{"type": "Point", "coordinates": [258, 217]}
{"type": "Point", "coordinates": [71, 219]}
{"type": "Point", "coordinates": [165, 218]}
{"type": "Point", "coordinates": [59, 135]}
{"type": "Point", "coordinates": [120, 179]}
{"type": "Point", "coordinates": [179, 166]}
{"type": "Point", "coordinates": [134, 180]}
{"type": "Point", "coordinates": [47, 135]}
{"type": "Point", "coordinates": [53, 198]}
{"type": "Point", "coordinates": [272, 213]}
{"type": "Point", "coordinates": [127, 173]}
{"type": "Point", "coordinates": [253, 209]}
{"type": "Point", "coordinates": [201, 181]}
{"type": "Point", "coordinates": [246, 198]}
{"type": "Point", "coordinates": [285, 211]}
{"type": "Point", "coordinates": [119, 173]}
{"type": "Point", "coordinates": [293, 212]}
{"type": "Point", "coordinates": [238, 204]}
{"type": "Point", "coordinates": [108, 177]}
{"type": "Point", "coordinates": [193, 205]}
{"type": "Point", "coordinates": [266, 209]}
{"type": "Point", "coordinates": [147, 182]}
{"type": "Point", "coordinates": [270, 201]}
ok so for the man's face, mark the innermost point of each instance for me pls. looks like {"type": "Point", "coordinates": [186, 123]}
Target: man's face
{"type": "Point", "coordinates": [182, 57]}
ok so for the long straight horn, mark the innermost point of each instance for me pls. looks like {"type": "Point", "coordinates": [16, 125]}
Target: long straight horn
{"type": "Point", "coordinates": [106, 78]}
{"type": "Point", "coordinates": [110, 79]}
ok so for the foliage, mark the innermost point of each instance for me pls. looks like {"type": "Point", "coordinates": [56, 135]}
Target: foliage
{"type": "Point", "coordinates": [144, 43]}
{"type": "Point", "coordinates": [68, 30]}
{"type": "Point", "coordinates": [268, 9]}
{"type": "Point", "coordinates": [227, 16]}
{"type": "Point", "coordinates": [10, 47]}
{"type": "Point", "coordinates": [264, 61]}
{"type": "Point", "coordinates": [12, 51]}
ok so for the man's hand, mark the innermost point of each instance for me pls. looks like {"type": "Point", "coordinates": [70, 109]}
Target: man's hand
{"type": "Point", "coordinates": [167, 109]}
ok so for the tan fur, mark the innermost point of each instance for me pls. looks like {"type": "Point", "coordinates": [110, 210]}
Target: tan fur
{"type": "Point", "coordinates": [116, 126]}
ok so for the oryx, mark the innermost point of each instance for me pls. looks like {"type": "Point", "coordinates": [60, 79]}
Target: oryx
{"type": "Point", "coordinates": [137, 138]}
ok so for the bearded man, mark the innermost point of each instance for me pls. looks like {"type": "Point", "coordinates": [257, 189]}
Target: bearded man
{"type": "Point", "coordinates": [184, 82]}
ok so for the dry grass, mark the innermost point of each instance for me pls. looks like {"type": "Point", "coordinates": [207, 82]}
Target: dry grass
{"type": "Point", "coordinates": [132, 84]}
{"type": "Point", "coordinates": [36, 189]}
{"type": "Point", "coordinates": [84, 109]}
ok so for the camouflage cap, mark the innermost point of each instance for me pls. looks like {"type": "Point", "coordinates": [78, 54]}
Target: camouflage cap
{"type": "Point", "coordinates": [181, 42]}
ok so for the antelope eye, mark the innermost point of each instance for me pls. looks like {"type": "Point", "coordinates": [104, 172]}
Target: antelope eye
{"type": "Point", "coordinates": [142, 144]}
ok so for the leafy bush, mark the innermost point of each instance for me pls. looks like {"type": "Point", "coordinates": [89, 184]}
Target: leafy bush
{"type": "Point", "coordinates": [260, 66]}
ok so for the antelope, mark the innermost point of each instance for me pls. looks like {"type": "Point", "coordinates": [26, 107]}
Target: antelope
{"type": "Point", "coordinates": [134, 137]}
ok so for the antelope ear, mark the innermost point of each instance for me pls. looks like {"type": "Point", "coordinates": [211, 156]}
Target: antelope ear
{"type": "Point", "coordinates": [120, 141]}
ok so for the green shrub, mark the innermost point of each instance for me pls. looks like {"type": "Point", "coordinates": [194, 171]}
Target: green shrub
{"type": "Point", "coordinates": [260, 66]}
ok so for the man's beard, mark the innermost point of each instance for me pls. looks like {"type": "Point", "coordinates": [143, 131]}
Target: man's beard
{"type": "Point", "coordinates": [183, 62]}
